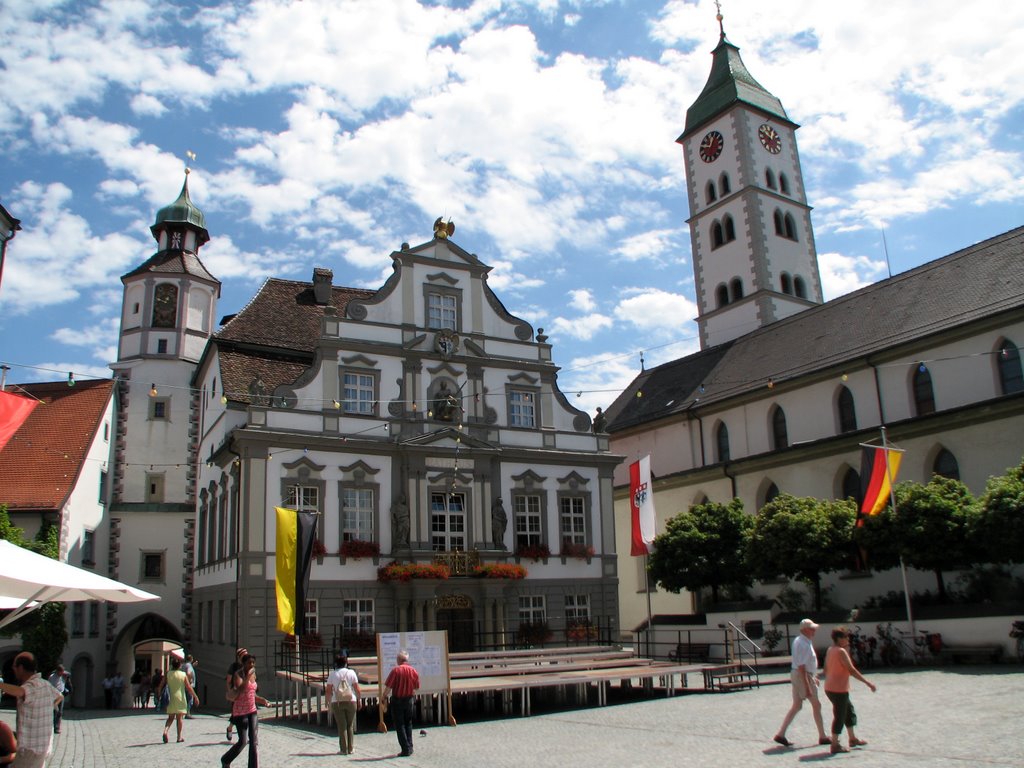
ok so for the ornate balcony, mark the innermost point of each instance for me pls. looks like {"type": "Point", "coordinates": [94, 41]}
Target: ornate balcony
{"type": "Point", "coordinates": [459, 563]}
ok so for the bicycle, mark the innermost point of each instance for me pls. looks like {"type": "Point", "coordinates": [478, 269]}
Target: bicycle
{"type": "Point", "coordinates": [1017, 631]}
{"type": "Point", "coordinates": [863, 647]}
{"type": "Point", "coordinates": [898, 647]}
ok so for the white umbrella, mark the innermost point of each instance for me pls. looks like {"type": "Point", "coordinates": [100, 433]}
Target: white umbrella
{"type": "Point", "coordinates": [32, 580]}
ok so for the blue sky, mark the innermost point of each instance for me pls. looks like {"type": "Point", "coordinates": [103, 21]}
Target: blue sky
{"type": "Point", "coordinates": [328, 132]}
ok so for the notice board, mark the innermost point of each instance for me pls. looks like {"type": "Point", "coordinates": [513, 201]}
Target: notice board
{"type": "Point", "coordinates": [428, 655]}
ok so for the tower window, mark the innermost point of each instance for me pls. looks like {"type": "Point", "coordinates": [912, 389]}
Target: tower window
{"type": "Point", "coordinates": [730, 229]}
{"type": "Point", "coordinates": [769, 178]}
{"type": "Point", "coordinates": [780, 227]}
{"type": "Point", "coordinates": [736, 289]}
{"type": "Point", "coordinates": [161, 346]}
{"type": "Point", "coordinates": [946, 465]}
{"type": "Point", "coordinates": [786, 282]}
{"type": "Point", "coordinates": [780, 433]}
{"type": "Point", "coordinates": [924, 394]}
{"type": "Point", "coordinates": [722, 295]}
{"type": "Point", "coordinates": [783, 184]}
{"type": "Point", "coordinates": [724, 187]}
{"type": "Point", "coordinates": [800, 287]}
{"type": "Point", "coordinates": [717, 235]}
{"type": "Point", "coordinates": [1011, 377]}
{"type": "Point", "coordinates": [790, 224]}
{"type": "Point", "coordinates": [847, 411]}
{"type": "Point", "coordinates": [710, 193]}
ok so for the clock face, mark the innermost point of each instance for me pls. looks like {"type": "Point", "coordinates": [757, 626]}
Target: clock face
{"type": "Point", "coordinates": [711, 146]}
{"type": "Point", "coordinates": [770, 139]}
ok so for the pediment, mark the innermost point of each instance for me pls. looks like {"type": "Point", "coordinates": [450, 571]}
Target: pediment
{"type": "Point", "coordinates": [449, 437]}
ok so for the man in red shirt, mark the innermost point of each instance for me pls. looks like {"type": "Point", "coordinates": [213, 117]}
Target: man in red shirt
{"type": "Point", "coordinates": [404, 681]}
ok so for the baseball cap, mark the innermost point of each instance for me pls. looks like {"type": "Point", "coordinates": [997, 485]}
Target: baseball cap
{"type": "Point", "coordinates": [807, 624]}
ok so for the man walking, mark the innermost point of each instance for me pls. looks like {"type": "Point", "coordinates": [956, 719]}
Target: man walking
{"type": "Point", "coordinates": [59, 681]}
{"type": "Point", "coordinates": [404, 681]}
{"type": "Point", "coordinates": [36, 701]}
{"type": "Point", "coordinates": [804, 683]}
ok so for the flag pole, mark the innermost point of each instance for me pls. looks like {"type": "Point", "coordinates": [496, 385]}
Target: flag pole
{"type": "Point", "coordinates": [647, 590]}
{"type": "Point", "coordinates": [903, 567]}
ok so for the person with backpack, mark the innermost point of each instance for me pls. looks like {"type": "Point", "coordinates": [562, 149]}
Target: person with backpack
{"type": "Point", "coordinates": [344, 698]}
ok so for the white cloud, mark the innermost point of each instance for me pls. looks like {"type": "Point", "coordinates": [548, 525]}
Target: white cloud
{"type": "Point", "coordinates": [660, 313]}
{"type": "Point", "coordinates": [582, 299]}
{"type": "Point", "coordinates": [583, 327]}
{"type": "Point", "coordinates": [842, 274]}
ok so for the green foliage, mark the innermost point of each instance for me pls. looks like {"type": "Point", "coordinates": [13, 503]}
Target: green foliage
{"type": "Point", "coordinates": [43, 631]}
{"type": "Point", "coordinates": [801, 538]}
{"type": "Point", "coordinates": [930, 529]}
{"type": "Point", "coordinates": [703, 547]}
{"type": "Point", "coordinates": [999, 524]}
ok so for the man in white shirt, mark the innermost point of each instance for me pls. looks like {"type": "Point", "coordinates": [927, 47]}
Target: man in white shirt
{"type": "Point", "coordinates": [36, 701]}
{"type": "Point", "coordinates": [804, 683]}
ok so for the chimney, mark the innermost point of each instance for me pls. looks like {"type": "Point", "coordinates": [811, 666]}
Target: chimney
{"type": "Point", "coordinates": [322, 278]}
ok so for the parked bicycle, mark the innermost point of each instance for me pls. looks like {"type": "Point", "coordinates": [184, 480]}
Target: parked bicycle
{"type": "Point", "coordinates": [898, 647]}
{"type": "Point", "coordinates": [863, 647]}
{"type": "Point", "coordinates": [1017, 631]}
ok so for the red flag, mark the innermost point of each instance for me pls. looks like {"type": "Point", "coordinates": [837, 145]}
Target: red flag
{"type": "Point", "coordinates": [14, 409]}
{"type": "Point", "coordinates": [641, 506]}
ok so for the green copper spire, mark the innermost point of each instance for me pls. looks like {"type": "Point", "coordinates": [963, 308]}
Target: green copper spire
{"type": "Point", "coordinates": [729, 83]}
{"type": "Point", "coordinates": [181, 211]}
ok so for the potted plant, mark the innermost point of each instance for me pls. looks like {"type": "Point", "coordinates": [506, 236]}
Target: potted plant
{"type": "Point", "coordinates": [357, 549]}
{"type": "Point", "coordinates": [577, 550]}
{"type": "Point", "coordinates": [319, 550]}
{"type": "Point", "coordinates": [395, 571]}
{"type": "Point", "coordinates": [772, 637]}
{"type": "Point", "coordinates": [500, 571]}
{"type": "Point", "coordinates": [580, 631]}
{"type": "Point", "coordinates": [533, 551]}
{"type": "Point", "coordinates": [533, 633]}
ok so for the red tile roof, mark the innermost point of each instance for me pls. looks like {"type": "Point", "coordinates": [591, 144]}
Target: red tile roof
{"type": "Point", "coordinates": [41, 464]}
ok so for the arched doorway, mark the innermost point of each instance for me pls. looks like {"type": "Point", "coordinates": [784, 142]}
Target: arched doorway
{"type": "Point", "coordinates": [455, 614]}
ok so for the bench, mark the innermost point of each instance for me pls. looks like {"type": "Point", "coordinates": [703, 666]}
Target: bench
{"type": "Point", "coordinates": [690, 652]}
{"type": "Point", "coordinates": [729, 677]}
{"type": "Point", "coordinates": [984, 654]}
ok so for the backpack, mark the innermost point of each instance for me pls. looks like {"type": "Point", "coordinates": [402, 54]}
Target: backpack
{"type": "Point", "coordinates": [345, 690]}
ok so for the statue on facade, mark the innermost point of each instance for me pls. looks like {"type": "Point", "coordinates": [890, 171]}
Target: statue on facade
{"type": "Point", "coordinates": [399, 524]}
{"type": "Point", "coordinates": [445, 404]}
{"type": "Point", "coordinates": [600, 422]}
{"type": "Point", "coordinates": [499, 522]}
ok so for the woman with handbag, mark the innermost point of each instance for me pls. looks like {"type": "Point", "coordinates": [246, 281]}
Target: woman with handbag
{"type": "Point", "coordinates": [243, 713]}
{"type": "Point", "coordinates": [177, 686]}
{"type": "Point", "coordinates": [344, 698]}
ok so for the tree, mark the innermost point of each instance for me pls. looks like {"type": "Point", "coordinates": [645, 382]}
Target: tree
{"type": "Point", "coordinates": [44, 631]}
{"type": "Point", "coordinates": [801, 538]}
{"type": "Point", "coordinates": [929, 529]}
{"type": "Point", "coordinates": [702, 547]}
{"type": "Point", "coordinates": [999, 523]}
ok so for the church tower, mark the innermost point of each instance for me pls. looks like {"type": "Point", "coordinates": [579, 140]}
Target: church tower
{"type": "Point", "coordinates": [754, 258]}
{"type": "Point", "coordinates": [167, 316]}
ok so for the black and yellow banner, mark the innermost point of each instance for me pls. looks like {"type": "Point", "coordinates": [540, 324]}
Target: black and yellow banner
{"type": "Point", "coordinates": [295, 534]}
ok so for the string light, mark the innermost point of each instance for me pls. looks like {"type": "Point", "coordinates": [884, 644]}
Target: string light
{"type": "Point", "coordinates": [223, 399]}
{"type": "Point", "coordinates": [771, 383]}
{"type": "Point", "coordinates": [152, 390]}
{"type": "Point", "coordinates": [71, 379]}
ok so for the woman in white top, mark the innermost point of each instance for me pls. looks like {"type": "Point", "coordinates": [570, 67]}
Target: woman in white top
{"type": "Point", "coordinates": [344, 698]}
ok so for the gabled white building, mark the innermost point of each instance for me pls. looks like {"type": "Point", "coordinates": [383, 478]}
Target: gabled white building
{"type": "Point", "coordinates": [421, 420]}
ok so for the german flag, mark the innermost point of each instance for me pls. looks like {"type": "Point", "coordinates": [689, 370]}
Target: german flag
{"type": "Point", "coordinates": [295, 534]}
{"type": "Point", "coordinates": [878, 470]}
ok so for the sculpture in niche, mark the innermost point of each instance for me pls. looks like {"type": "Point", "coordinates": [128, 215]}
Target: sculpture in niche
{"type": "Point", "coordinates": [445, 403]}
{"type": "Point", "coordinates": [499, 522]}
{"type": "Point", "coordinates": [258, 390]}
{"type": "Point", "coordinates": [399, 523]}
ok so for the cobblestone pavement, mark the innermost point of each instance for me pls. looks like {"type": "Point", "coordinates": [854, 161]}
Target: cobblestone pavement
{"type": "Point", "coordinates": [959, 716]}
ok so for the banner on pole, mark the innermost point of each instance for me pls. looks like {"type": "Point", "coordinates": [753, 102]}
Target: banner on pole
{"type": "Point", "coordinates": [641, 507]}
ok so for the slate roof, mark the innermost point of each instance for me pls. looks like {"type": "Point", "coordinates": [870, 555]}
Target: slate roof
{"type": "Point", "coordinates": [275, 335]}
{"type": "Point", "coordinates": [173, 262]}
{"type": "Point", "coordinates": [729, 82]}
{"type": "Point", "coordinates": [980, 281]}
{"type": "Point", "coordinates": [41, 464]}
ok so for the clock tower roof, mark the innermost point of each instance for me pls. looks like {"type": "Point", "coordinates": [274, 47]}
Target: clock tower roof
{"type": "Point", "coordinates": [729, 82]}
{"type": "Point", "coordinates": [182, 211]}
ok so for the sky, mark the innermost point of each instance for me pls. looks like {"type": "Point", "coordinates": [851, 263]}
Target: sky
{"type": "Point", "coordinates": [328, 132]}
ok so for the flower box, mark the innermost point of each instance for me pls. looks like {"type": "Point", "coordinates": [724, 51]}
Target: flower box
{"type": "Point", "coordinates": [407, 571]}
{"type": "Point", "coordinates": [319, 550]}
{"type": "Point", "coordinates": [500, 571]}
{"type": "Point", "coordinates": [580, 551]}
{"type": "Point", "coordinates": [357, 548]}
{"type": "Point", "coordinates": [534, 552]}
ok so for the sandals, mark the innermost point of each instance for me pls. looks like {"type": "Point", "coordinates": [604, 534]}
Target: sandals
{"type": "Point", "coordinates": [783, 741]}
{"type": "Point", "coordinates": [838, 748]}
{"type": "Point", "coordinates": [165, 738]}
{"type": "Point", "coordinates": [858, 743]}
{"type": "Point", "coordinates": [227, 733]}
